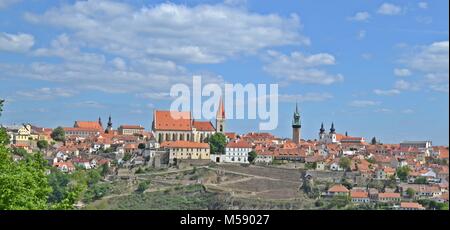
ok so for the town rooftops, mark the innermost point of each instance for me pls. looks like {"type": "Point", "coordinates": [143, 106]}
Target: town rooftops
{"type": "Point", "coordinates": [184, 144]}
{"type": "Point", "coordinates": [239, 144]}
{"type": "Point", "coordinates": [411, 205]}
{"type": "Point", "coordinates": [389, 195]}
{"type": "Point", "coordinates": [88, 125]}
{"type": "Point", "coordinates": [172, 120]}
{"type": "Point", "coordinates": [359, 194]}
{"type": "Point", "coordinates": [203, 126]}
{"type": "Point", "coordinates": [338, 188]}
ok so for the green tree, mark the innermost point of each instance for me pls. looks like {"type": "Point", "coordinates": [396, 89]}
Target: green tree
{"type": "Point", "coordinates": [410, 192]}
{"type": "Point", "coordinates": [20, 152]}
{"type": "Point", "coordinates": [345, 163]}
{"type": "Point", "coordinates": [4, 137]}
{"type": "Point", "coordinates": [104, 170]}
{"type": "Point", "coordinates": [421, 180]}
{"type": "Point", "coordinates": [42, 144]}
{"type": "Point", "coordinates": [403, 173]}
{"type": "Point", "coordinates": [217, 143]}
{"type": "Point", "coordinates": [252, 156]}
{"type": "Point", "coordinates": [143, 186]}
{"type": "Point", "coordinates": [141, 146]}
{"type": "Point", "coordinates": [58, 134]}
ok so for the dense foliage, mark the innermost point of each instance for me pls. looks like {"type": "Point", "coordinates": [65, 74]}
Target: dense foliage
{"type": "Point", "coordinates": [217, 143]}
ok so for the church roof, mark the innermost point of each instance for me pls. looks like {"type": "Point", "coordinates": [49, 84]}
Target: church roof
{"type": "Point", "coordinates": [171, 120]}
{"type": "Point", "coordinates": [203, 126]}
{"type": "Point", "coordinates": [87, 125]}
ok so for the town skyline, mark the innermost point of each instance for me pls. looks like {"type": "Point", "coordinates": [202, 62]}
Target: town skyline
{"type": "Point", "coordinates": [398, 92]}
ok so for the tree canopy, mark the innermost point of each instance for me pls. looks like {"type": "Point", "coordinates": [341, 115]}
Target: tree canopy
{"type": "Point", "coordinates": [217, 143]}
{"type": "Point", "coordinates": [58, 134]}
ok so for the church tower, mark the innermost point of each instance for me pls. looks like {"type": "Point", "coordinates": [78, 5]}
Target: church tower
{"type": "Point", "coordinates": [296, 126]}
{"type": "Point", "coordinates": [322, 132]}
{"type": "Point", "coordinates": [109, 127]}
{"type": "Point", "coordinates": [220, 118]}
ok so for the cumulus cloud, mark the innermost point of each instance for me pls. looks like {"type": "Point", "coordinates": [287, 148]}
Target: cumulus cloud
{"type": "Point", "coordinates": [308, 97]}
{"type": "Point", "coordinates": [402, 72]}
{"type": "Point", "coordinates": [16, 42]}
{"type": "Point", "coordinates": [364, 103]}
{"type": "Point", "coordinates": [298, 67]}
{"type": "Point", "coordinates": [361, 34]}
{"type": "Point", "coordinates": [46, 93]}
{"type": "Point", "coordinates": [360, 17]}
{"type": "Point", "coordinates": [389, 92]}
{"type": "Point", "coordinates": [432, 61]}
{"type": "Point", "coordinates": [198, 34]}
{"type": "Point", "coordinates": [423, 5]}
{"type": "Point", "coordinates": [389, 9]}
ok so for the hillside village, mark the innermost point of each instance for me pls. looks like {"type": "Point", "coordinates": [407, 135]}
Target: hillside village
{"type": "Point", "coordinates": [412, 175]}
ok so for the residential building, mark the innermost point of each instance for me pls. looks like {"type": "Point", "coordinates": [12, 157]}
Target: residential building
{"type": "Point", "coordinates": [130, 129]}
{"type": "Point", "coordinates": [182, 150]}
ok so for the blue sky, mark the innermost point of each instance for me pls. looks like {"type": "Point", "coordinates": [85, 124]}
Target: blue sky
{"type": "Point", "coordinates": [374, 68]}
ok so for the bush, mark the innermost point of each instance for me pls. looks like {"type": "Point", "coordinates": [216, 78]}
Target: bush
{"type": "Point", "coordinates": [143, 186]}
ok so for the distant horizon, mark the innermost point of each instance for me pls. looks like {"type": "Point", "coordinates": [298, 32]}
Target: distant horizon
{"type": "Point", "coordinates": [376, 69]}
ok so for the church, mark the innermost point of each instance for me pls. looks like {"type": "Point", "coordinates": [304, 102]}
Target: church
{"type": "Point", "coordinates": [180, 126]}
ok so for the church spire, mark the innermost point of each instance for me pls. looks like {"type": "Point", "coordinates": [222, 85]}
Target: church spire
{"type": "Point", "coordinates": [322, 129]}
{"type": "Point", "coordinates": [332, 130]}
{"type": "Point", "coordinates": [220, 117]}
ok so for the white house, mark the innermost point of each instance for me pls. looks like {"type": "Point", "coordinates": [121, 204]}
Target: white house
{"type": "Point", "coordinates": [237, 152]}
{"type": "Point", "coordinates": [264, 158]}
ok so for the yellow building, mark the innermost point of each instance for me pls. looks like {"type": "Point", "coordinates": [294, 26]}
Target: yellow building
{"type": "Point", "coordinates": [186, 150]}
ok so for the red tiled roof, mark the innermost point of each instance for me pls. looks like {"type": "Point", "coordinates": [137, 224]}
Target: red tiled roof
{"type": "Point", "coordinates": [231, 135]}
{"type": "Point", "coordinates": [359, 194]}
{"type": "Point", "coordinates": [184, 144]}
{"type": "Point", "coordinates": [338, 188]}
{"type": "Point", "coordinates": [87, 125]}
{"type": "Point", "coordinates": [411, 205]}
{"type": "Point", "coordinates": [389, 195]}
{"type": "Point", "coordinates": [239, 144]}
{"type": "Point", "coordinates": [171, 120]}
{"type": "Point", "coordinates": [203, 126]}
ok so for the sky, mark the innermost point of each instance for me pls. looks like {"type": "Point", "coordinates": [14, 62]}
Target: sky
{"type": "Point", "coordinates": [374, 68]}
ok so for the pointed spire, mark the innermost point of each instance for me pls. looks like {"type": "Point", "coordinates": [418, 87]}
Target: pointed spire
{"type": "Point", "coordinates": [221, 110]}
{"type": "Point", "coordinates": [296, 107]}
{"type": "Point", "coordinates": [332, 130]}
{"type": "Point", "coordinates": [322, 129]}
{"type": "Point", "coordinates": [100, 121]}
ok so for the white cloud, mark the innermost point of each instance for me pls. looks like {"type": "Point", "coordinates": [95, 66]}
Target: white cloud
{"type": "Point", "coordinates": [402, 72]}
{"type": "Point", "coordinates": [424, 19]}
{"type": "Point", "coordinates": [309, 97]}
{"type": "Point", "coordinates": [390, 92]}
{"type": "Point", "coordinates": [88, 104]}
{"type": "Point", "coordinates": [389, 9]}
{"type": "Point", "coordinates": [298, 67]}
{"type": "Point", "coordinates": [364, 103]}
{"type": "Point", "coordinates": [360, 16]}
{"type": "Point", "coordinates": [6, 3]}
{"type": "Point", "coordinates": [361, 34]}
{"type": "Point", "coordinates": [16, 42]}
{"type": "Point", "coordinates": [432, 61]}
{"type": "Point", "coordinates": [199, 34]}
{"type": "Point", "coordinates": [423, 5]}
{"type": "Point", "coordinates": [383, 110]}
{"type": "Point", "coordinates": [408, 111]}
{"type": "Point", "coordinates": [367, 56]}
{"type": "Point", "coordinates": [405, 85]}
{"type": "Point", "coordinates": [45, 93]}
